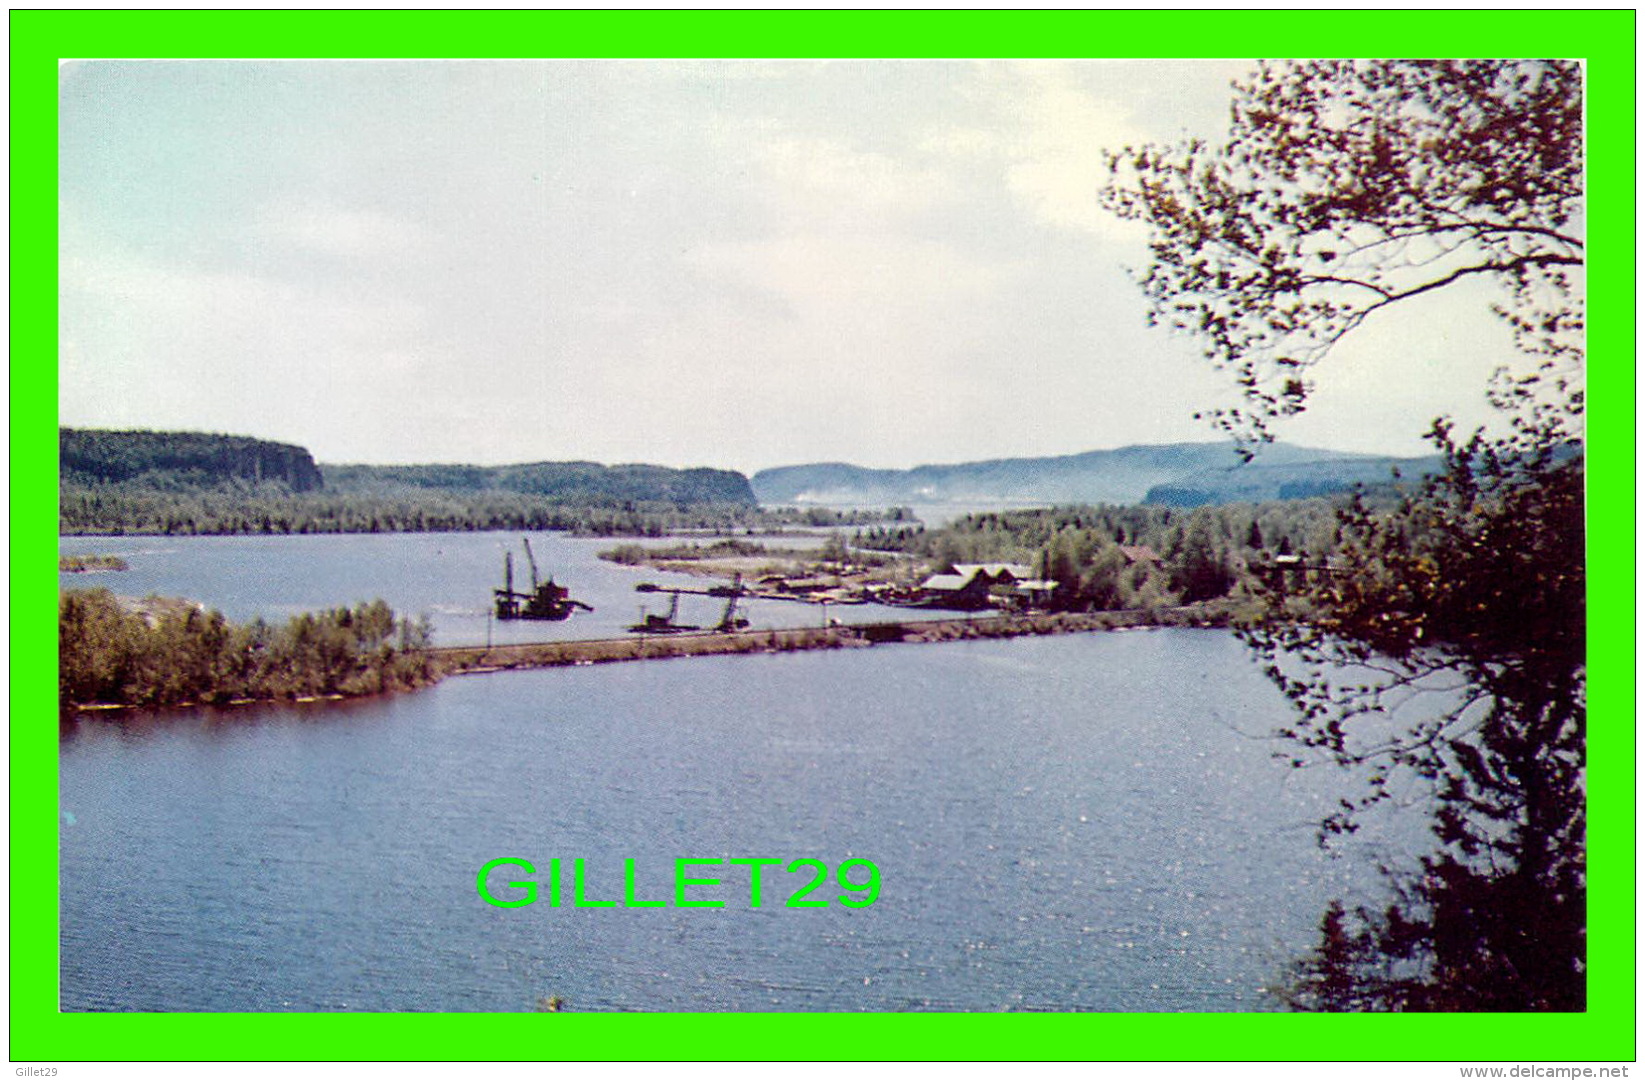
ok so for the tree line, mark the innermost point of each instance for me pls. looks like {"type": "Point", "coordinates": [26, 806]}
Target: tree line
{"type": "Point", "coordinates": [1143, 556]}
{"type": "Point", "coordinates": [172, 653]}
{"type": "Point", "coordinates": [138, 461]}
{"type": "Point", "coordinates": [558, 480]}
{"type": "Point", "coordinates": [260, 509]}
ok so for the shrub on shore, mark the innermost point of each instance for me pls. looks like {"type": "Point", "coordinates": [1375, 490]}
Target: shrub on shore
{"type": "Point", "coordinates": [178, 653]}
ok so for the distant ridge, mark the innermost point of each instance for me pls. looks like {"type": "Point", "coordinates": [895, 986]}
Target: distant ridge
{"type": "Point", "coordinates": [181, 460]}
{"type": "Point", "coordinates": [1260, 482]}
{"type": "Point", "coordinates": [554, 480]}
{"type": "Point", "coordinates": [142, 461]}
{"type": "Point", "coordinates": [1177, 474]}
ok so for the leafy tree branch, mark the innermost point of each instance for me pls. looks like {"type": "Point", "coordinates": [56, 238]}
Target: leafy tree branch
{"type": "Point", "coordinates": [1443, 646]}
{"type": "Point", "coordinates": [1345, 187]}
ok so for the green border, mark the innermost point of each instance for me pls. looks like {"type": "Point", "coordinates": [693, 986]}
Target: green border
{"type": "Point", "coordinates": [39, 38]}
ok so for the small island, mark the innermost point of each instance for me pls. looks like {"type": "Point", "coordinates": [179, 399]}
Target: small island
{"type": "Point", "coordinates": [90, 563]}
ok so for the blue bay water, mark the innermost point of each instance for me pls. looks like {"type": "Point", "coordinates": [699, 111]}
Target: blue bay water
{"type": "Point", "coordinates": [1086, 822]}
{"type": "Point", "coordinates": [447, 577]}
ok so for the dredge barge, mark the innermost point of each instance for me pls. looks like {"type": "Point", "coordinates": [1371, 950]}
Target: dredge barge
{"type": "Point", "coordinates": [546, 601]}
{"type": "Point", "coordinates": [669, 624]}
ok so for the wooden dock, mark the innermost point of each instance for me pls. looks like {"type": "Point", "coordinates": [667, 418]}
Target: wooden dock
{"type": "Point", "coordinates": [473, 660]}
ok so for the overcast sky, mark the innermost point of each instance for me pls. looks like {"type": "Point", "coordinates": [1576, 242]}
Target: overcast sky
{"type": "Point", "coordinates": [741, 264]}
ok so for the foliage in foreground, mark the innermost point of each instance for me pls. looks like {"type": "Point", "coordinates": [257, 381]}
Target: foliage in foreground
{"type": "Point", "coordinates": [1344, 189]}
{"type": "Point", "coordinates": [174, 653]}
{"type": "Point", "coordinates": [1469, 598]}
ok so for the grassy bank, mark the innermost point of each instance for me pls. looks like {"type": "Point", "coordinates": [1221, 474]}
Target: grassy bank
{"type": "Point", "coordinates": [477, 659]}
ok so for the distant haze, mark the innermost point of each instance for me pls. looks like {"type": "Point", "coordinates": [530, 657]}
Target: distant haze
{"type": "Point", "coordinates": [730, 264]}
{"type": "Point", "coordinates": [1183, 474]}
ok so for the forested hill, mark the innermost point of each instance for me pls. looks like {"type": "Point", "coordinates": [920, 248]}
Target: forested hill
{"type": "Point", "coordinates": [560, 481]}
{"type": "Point", "coordinates": [1183, 474]}
{"type": "Point", "coordinates": [145, 461]}
{"type": "Point", "coordinates": [1261, 482]}
{"type": "Point", "coordinates": [177, 461]}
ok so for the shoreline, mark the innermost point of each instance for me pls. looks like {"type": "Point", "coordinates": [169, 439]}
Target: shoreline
{"type": "Point", "coordinates": [584, 652]}
{"type": "Point", "coordinates": [481, 660]}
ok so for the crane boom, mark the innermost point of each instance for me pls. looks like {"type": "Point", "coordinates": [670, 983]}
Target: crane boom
{"type": "Point", "coordinates": [533, 561]}
{"type": "Point", "coordinates": [545, 601]}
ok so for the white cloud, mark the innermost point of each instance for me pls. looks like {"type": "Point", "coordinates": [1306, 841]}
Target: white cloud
{"type": "Point", "coordinates": [817, 173]}
{"type": "Point", "coordinates": [336, 232]}
{"type": "Point", "coordinates": [1047, 137]}
{"type": "Point", "coordinates": [156, 344]}
{"type": "Point", "coordinates": [745, 263]}
{"type": "Point", "coordinates": [821, 341]}
{"type": "Point", "coordinates": [851, 277]}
